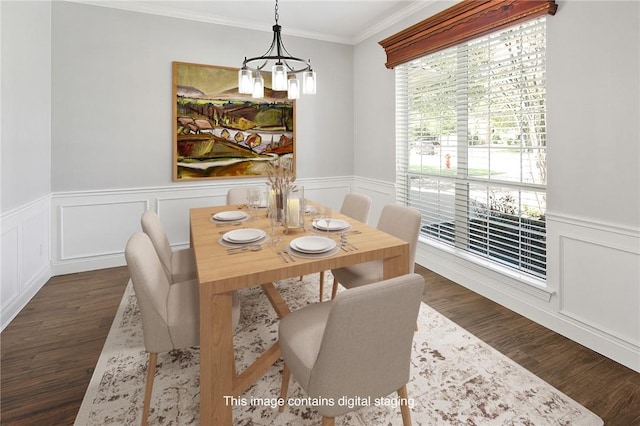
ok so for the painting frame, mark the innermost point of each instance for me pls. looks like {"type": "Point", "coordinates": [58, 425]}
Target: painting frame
{"type": "Point", "coordinates": [219, 133]}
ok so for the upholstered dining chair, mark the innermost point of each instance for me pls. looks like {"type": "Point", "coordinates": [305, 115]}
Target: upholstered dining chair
{"type": "Point", "coordinates": [355, 206]}
{"type": "Point", "coordinates": [400, 221]}
{"type": "Point", "coordinates": [179, 265]}
{"type": "Point", "coordinates": [170, 311]}
{"type": "Point", "coordinates": [239, 195]}
{"type": "Point", "coordinates": [357, 345]}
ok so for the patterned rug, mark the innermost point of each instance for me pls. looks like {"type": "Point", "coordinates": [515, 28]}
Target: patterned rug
{"type": "Point", "coordinates": [456, 379]}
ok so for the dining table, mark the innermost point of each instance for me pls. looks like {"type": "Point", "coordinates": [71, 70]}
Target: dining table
{"type": "Point", "coordinates": [222, 271]}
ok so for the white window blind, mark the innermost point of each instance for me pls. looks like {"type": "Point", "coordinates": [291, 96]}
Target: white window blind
{"type": "Point", "coordinates": [471, 145]}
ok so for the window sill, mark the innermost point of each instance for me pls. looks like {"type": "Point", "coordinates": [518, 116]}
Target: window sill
{"type": "Point", "coordinates": [530, 285]}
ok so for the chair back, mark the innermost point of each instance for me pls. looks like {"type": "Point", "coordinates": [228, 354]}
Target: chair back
{"type": "Point", "coordinates": [366, 345]}
{"type": "Point", "coordinates": [151, 287]}
{"type": "Point", "coordinates": [402, 222]}
{"type": "Point", "coordinates": [356, 206]}
{"type": "Point", "coordinates": [152, 226]}
{"type": "Point", "coordinates": [239, 195]}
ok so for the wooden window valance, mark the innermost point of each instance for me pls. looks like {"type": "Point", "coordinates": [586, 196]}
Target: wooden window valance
{"type": "Point", "coordinates": [459, 23]}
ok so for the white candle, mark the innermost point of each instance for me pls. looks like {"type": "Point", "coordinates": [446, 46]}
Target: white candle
{"type": "Point", "coordinates": [294, 212]}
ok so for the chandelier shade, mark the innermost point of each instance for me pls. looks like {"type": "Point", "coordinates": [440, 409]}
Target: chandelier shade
{"type": "Point", "coordinates": [245, 81]}
{"type": "Point", "coordinates": [293, 88]}
{"type": "Point", "coordinates": [258, 87]}
{"type": "Point", "coordinates": [309, 82]}
{"type": "Point", "coordinates": [283, 67]}
{"type": "Point", "coordinates": [279, 77]}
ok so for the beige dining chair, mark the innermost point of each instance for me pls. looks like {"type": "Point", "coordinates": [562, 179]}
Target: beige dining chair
{"type": "Point", "coordinates": [400, 221]}
{"type": "Point", "coordinates": [357, 207]}
{"type": "Point", "coordinates": [179, 265]}
{"type": "Point", "coordinates": [357, 345]}
{"type": "Point", "coordinates": [240, 195]}
{"type": "Point", "coordinates": [170, 311]}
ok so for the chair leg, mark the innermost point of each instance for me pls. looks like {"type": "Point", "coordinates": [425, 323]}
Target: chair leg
{"type": "Point", "coordinates": [151, 372]}
{"type": "Point", "coordinates": [334, 290]}
{"type": "Point", "coordinates": [321, 285]}
{"type": "Point", "coordinates": [404, 407]}
{"type": "Point", "coordinates": [328, 421]}
{"type": "Point", "coordinates": [284, 388]}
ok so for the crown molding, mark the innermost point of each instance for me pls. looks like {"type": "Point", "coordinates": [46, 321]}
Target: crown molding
{"type": "Point", "coordinates": [172, 12]}
{"type": "Point", "coordinates": [392, 19]}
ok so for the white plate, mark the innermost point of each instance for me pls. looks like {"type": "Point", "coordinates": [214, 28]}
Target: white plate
{"type": "Point", "coordinates": [230, 215]}
{"type": "Point", "coordinates": [247, 235]}
{"type": "Point", "coordinates": [313, 244]}
{"type": "Point", "coordinates": [332, 225]}
{"type": "Point", "coordinates": [296, 253]}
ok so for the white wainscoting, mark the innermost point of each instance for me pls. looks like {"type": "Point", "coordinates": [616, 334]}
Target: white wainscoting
{"type": "Point", "coordinates": [381, 193]}
{"type": "Point", "coordinates": [597, 276]}
{"type": "Point", "coordinates": [68, 232]}
{"type": "Point", "coordinates": [592, 292]}
{"type": "Point", "coordinates": [91, 228]}
{"type": "Point", "coordinates": [25, 255]}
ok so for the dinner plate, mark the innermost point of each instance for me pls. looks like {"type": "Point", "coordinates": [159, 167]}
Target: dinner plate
{"type": "Point", "coordinates": [297, 253]}
{"type": "Point", "coordinates": [230, 215]}
{"type": "Point", "coordinates": [331, 225]}
{"type": "Point", "coordinates": [247, 235]}
{"type": "Point", "coordinates": [312, 244]}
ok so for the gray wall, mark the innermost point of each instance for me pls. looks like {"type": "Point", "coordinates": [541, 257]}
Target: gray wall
{"type": "Point", "coordinates": [112, 95]}
{"type": "Point", "coordinates": [593, 75]}
{"type": "Point", "coordinates": [26, 102]}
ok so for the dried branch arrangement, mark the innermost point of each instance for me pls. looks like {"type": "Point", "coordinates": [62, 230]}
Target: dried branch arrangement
{"type": "Point", "coordinates": [280, 174]}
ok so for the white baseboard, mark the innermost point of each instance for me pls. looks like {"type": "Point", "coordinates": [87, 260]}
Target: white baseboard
{"type": "Point", "coordinates": [29, 290]}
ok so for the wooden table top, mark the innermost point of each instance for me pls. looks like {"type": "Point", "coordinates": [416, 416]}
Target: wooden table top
{"type": "Point", "coordinates": [230, 272]}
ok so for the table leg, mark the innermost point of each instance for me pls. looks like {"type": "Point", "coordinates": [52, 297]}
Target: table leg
{"type": "Point", "coordinates": [396, 266]}
{"type": "Point", "coordinates": [279, 305]}
{"type": "Point", "coordinates": [216, 358]}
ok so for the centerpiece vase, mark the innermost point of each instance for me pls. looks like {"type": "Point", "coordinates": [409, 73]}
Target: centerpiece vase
{"type": "Point", "coordinates": [277, 202]}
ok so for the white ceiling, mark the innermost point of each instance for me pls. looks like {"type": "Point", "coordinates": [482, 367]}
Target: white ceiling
{"type": "Point", "coordinates": [342, 21]}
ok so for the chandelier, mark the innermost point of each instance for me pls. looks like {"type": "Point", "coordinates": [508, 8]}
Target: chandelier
{"type": "Point", "coordinates": [284, 70]}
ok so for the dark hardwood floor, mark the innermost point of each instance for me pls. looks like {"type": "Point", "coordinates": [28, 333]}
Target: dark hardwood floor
{"type": "Point", "coordinates": [49, 350]}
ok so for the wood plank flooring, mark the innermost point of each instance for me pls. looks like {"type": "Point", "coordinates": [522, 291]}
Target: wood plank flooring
{"type": "Point", "coordinates": [49, 350]}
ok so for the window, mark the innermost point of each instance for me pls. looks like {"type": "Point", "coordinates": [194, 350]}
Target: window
{"type": "Point", "coordinates": [471, 145]}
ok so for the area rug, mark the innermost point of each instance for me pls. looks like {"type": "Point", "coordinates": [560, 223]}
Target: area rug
{"type": "Point", "coordinates": [456, 379]}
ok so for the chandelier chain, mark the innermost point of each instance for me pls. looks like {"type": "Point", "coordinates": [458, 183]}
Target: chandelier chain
{"type": "Point", "coordinates": [277, 15]}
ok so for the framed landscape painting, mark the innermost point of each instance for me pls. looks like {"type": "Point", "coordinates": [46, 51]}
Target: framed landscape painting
{"type": "Point", "coordinates": [220, 133]}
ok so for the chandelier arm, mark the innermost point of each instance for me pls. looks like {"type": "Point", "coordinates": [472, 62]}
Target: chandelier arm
{"type": "Point", "coordinates": [265, 59]}
{"type": "Point", "coordinates": [274, 43]}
